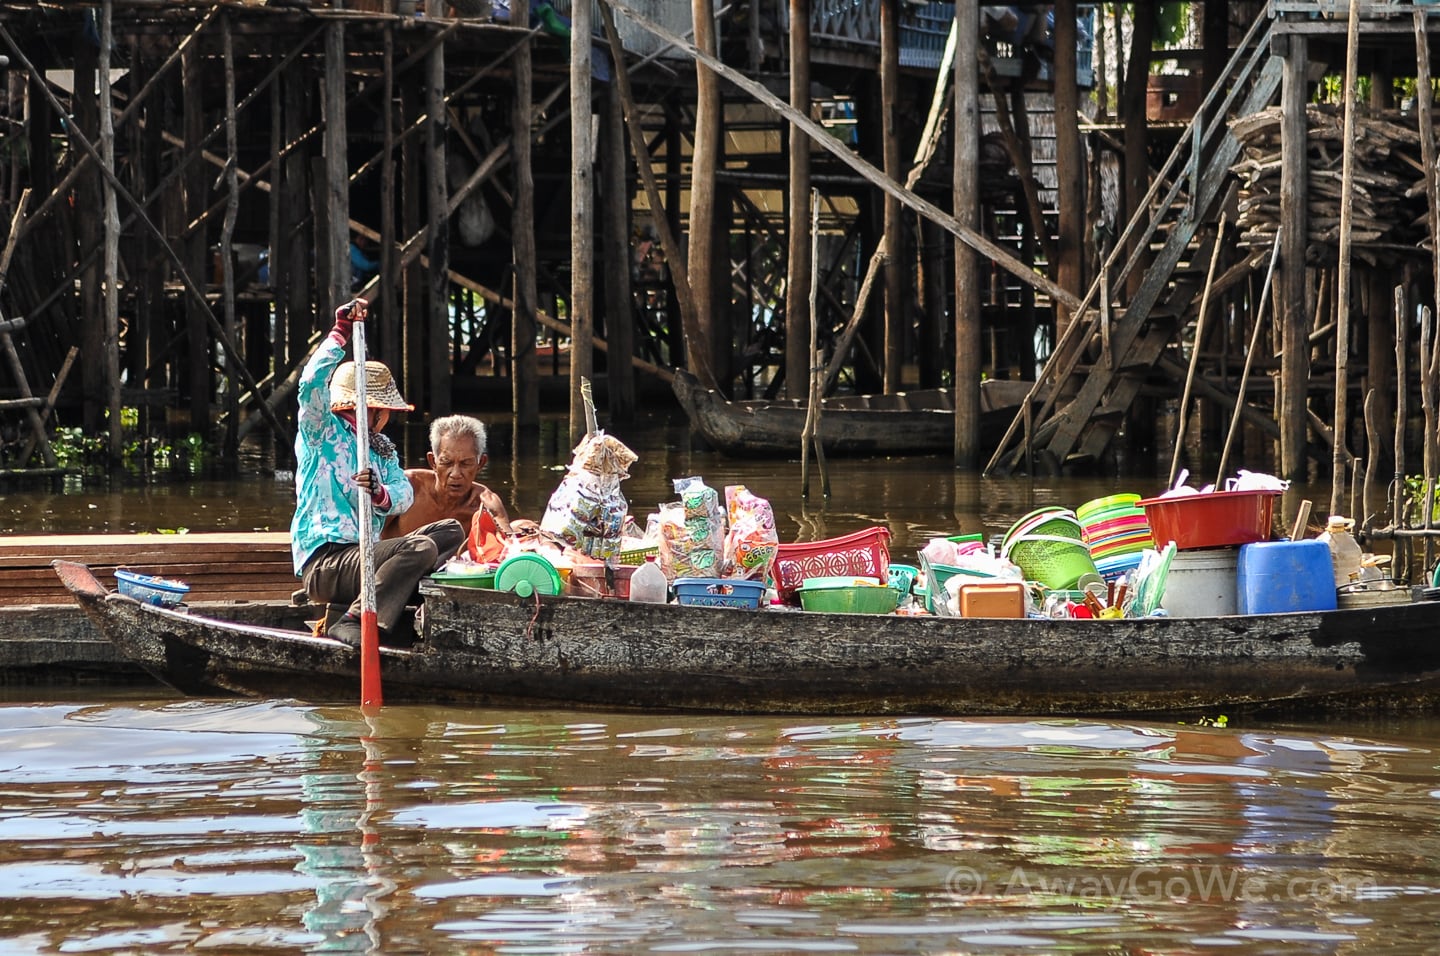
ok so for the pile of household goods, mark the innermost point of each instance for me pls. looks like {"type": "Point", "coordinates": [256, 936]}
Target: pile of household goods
{"type": "Point", "coordinates": [1187, 552]}
{"type": "Point", "coordinates": [707, 549]}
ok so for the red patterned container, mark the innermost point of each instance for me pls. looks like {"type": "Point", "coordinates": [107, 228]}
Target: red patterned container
{"type": "Point", "coordinates": [863, 553]}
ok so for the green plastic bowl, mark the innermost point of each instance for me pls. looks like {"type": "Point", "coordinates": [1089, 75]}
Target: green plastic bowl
{"type": "Point", "coordinates": [478, 579]}
{"type": "Point", "coordinates": [864, 599]}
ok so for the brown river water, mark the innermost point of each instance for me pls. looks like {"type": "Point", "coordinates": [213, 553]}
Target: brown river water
{"type": "Point", "coordinates": [134, 821]}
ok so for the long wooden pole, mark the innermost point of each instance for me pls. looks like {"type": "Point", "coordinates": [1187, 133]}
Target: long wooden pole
{"type": "Point", "coordinates": [1195, 352]}
{"type": "Point", "coordinates": [1397, 484]}
{"type": "Point", "coordinates": [1342, 282]}
{"type": "Point", "coordinates": [1249, 359]}
{"type": "Point", "coordinates": [810, 435]}
{"type": "Point", "coordinates": [370, 690]}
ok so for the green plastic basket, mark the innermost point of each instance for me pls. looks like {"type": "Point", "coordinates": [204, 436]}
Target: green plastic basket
{"type": "Point", "coordinates": [1051, 552]}
{"type": "Point", "coordinates": [859, 599]}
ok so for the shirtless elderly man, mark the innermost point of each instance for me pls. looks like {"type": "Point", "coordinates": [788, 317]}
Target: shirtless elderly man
{"type": "Point", "coordinates": [448, 489]}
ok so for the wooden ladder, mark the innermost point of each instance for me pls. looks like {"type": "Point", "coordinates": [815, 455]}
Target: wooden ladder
{"type": "Point", "coordinates": [1137, 338]}
{"type": "Point", "coordinates": [36, 409]}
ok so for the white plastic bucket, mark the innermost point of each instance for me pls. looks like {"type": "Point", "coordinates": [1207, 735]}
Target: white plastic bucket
{"type": "Point", "coordinates": [1202, 583]}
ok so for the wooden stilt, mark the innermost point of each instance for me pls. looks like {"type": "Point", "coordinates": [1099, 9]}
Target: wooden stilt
{"type": "Point", "coordinates": [619, 301]}
{"type": "Point", "coordinates": [893, 239]}
{"type": "Point", "coordinates": [227, 242]}
{"type": "Point", "coordinates": [111, 234]}
{"type": "Point", "coordinates": [34, 417]}
{"type": "Point", "coordinates": [674, 252]}
{"type": "Point", "coordinates": [924, 153]}
{"type": "Point", "coordinates": [1069, 159]}
{"type": "Point", "coordinates": [705, 156]}
{"type": "Point", "coordinates": [336, 190]}
{"type": "Point", "coordinates": [800, 245]}
{"type": "Point", "coordinates": [966, 139]}
{"type": "Point", "coordinates": [388, 337]}
{"type": "Point", "coordinates": [197, 253]}
{"type": "Point", "coordinates": [438, 240]}
{"type": "Point", "coordinates": [1342, 284]}
{"type": "Point", "coordinates": [90, 239]}
{"type": "Point", "coordinates": [582, 217]}
{"type": "Point", "coordinates": [525, 384]}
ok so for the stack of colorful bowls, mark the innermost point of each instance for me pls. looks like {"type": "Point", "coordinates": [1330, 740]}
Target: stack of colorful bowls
{"type": "Point", "coordinates": [1047, 545]}
{"type": "Point", "coordinates": [1116, 530]}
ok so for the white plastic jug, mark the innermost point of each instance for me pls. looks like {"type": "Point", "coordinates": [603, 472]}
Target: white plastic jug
{"type": "Point", "coordinates": [1345, 551]}
{"type": "Point", "coordinates": [648, 583]}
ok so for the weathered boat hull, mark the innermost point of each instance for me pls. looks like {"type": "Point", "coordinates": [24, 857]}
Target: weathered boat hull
{"type": "Point", "coordinates": [494, 647]}
{"type": "Point", "coordinates": [770, 429]}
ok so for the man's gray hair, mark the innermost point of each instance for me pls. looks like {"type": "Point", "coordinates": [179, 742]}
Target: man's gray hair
{"type": "Point", "coordinates": [458, 425]}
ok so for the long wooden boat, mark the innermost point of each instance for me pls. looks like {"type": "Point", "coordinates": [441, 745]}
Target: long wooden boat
{"type": "Point", "coordinates": [497, 648]}
{"type": "Point", "coordinates": [906, 423]}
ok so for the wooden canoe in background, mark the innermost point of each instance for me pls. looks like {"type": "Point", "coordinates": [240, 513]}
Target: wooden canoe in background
{"type": "Point", "coordinates": [920, 422]}
{"type": "Point", "coordinates": [497, 648]}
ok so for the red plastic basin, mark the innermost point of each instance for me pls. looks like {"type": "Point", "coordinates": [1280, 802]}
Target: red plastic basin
{"type": "Point", "coordinates": [1213, 520]}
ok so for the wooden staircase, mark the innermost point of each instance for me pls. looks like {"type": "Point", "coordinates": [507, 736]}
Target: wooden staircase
{"type": "Point", "coordinates": [1178, 229]}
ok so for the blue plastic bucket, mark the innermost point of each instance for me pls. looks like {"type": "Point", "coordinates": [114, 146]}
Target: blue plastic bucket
{"type": "Point", "coordinates": [1277, 577]}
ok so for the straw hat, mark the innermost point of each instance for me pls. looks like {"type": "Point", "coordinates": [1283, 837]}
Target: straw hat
{"type": "Point", "coordinates": [380, 390]}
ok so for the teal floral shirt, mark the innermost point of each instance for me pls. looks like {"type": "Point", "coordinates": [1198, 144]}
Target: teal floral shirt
{"type": "Point", "coordinates": [327, 500]}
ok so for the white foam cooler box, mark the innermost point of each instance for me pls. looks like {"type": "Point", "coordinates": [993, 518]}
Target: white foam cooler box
{"type": "Point", "coordinates": [1202, 583]}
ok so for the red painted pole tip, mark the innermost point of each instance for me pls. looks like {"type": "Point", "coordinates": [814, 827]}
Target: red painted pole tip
{"type": "Point", "coordinates": [370, 695]}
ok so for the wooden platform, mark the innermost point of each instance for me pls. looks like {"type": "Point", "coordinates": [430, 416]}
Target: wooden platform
{"type": "Point", "coordinates": [218, 566]}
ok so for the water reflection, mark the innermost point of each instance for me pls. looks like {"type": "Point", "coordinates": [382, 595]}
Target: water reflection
{"type": "Point", "coordinates": [171, 825]}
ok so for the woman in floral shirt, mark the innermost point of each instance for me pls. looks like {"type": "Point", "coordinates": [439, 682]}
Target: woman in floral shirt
{"type": "Point", "coordinates": [325, 532]}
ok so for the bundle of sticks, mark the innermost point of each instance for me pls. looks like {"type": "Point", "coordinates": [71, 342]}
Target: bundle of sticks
{"type": "Point", "coordinates": [1389, 212]}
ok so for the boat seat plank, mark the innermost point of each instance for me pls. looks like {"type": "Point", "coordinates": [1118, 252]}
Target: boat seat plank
{"type": "Point", "coordinates": [216, 565]}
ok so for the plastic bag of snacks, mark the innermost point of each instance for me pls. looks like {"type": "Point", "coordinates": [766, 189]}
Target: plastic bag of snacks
{"type": "Point", "coordinates": [587, 510]}
{"type": "Point", "coordinates": [692, 531]}
{"type": "Point", "coordinates": [750, 541]}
